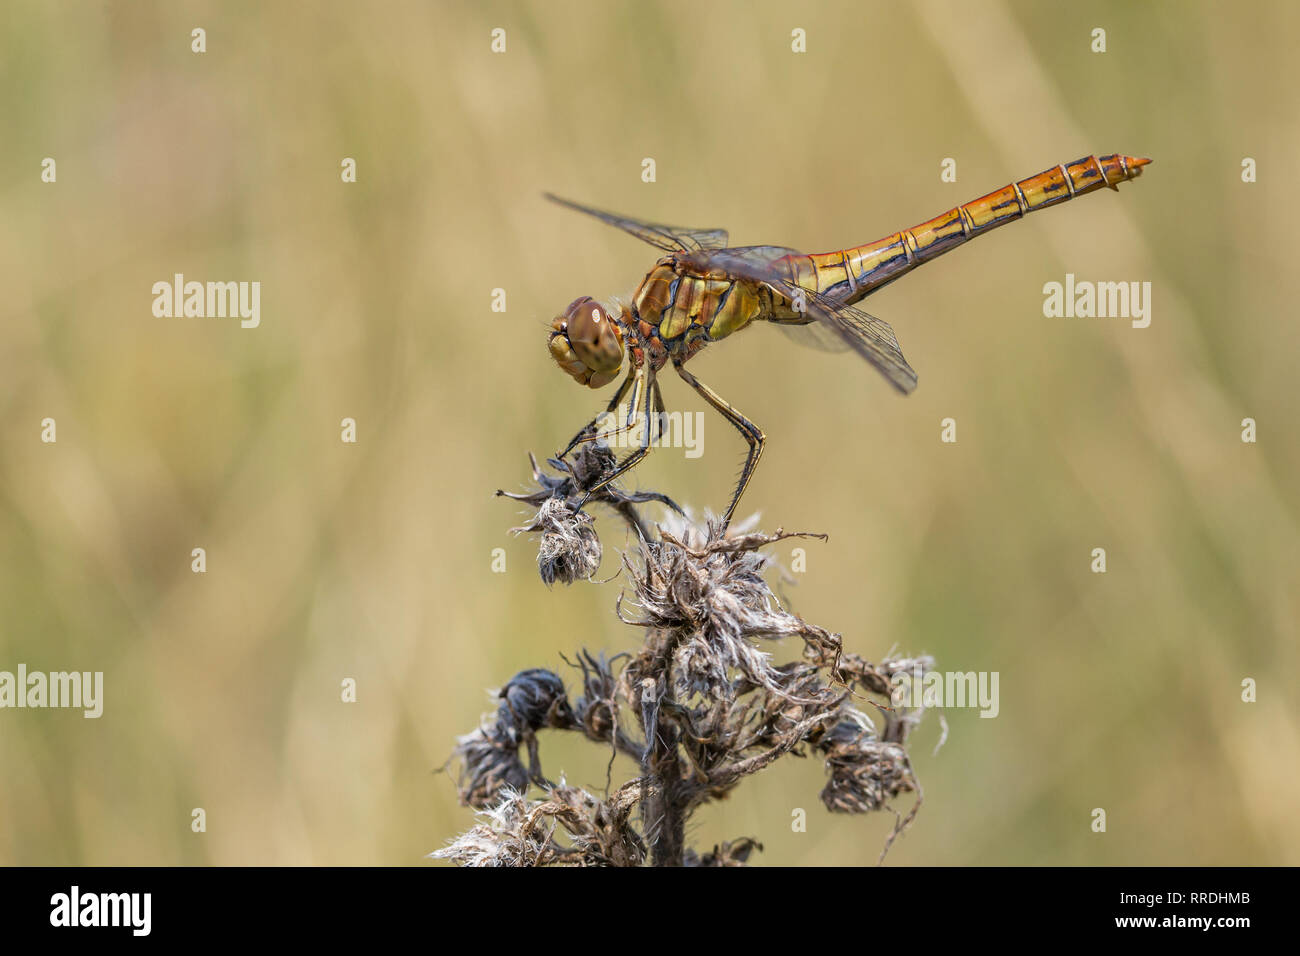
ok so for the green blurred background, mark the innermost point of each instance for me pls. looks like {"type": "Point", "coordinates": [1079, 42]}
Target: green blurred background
{"type": "Point", "coordinates": [374, 560]}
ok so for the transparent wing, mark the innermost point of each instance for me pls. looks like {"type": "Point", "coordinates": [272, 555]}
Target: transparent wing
{"type": "Point", "coordinates": [766, 259]}
{"type": "Point", "coordinates": [870, 337]}
{"type": "Point", "coordinates": [814, 335]}
{"type": "Point", "coordinates": [667, 238]}
{"type": "Point", "coordinates": [865, 334]}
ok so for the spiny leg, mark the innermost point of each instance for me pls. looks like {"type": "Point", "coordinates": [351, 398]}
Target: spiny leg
{"type": "Point", "coordinates": [629, 425]}
{"type": "Point", "coordinates": [751, 432]}
{"type": "Point", "coordinates": [614, 403]}
{"type": "Point", "coordinates": [647, 396]}
{"type": "Point", "coordinates": [655, 423]}
{"type": "Point", "coordinates": [660, 411]}
{"type": "Point", "coordinates": [605, 435]}
{"type": "Point", "coordinates": [638, 393]}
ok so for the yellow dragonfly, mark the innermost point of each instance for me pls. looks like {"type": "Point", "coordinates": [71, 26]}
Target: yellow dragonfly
{"type": "Point", "coordinates": [703, 291]}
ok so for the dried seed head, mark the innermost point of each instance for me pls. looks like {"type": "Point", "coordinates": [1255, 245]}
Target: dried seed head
{"type": "Point", "coordinates": [710, 705]}
{"type": "Point", "coordinates": [711, 593]}
{"type": "Point", "coordinates": [489, 765]}
{"type": "Point", "coordinates": [731, 853]}
{"type": "Point", "coordinates": [569, 550]}
{"type": "Point", "coordinates": [597, 708]}
{"type": "Point", "coordinates": [502, 838]}
{"type": "Point", "coordinates": [533, 699]}
{"type": "Point", "coordinates": [866, 773]}
{"type": "Point", "coordinates": [518, 832]}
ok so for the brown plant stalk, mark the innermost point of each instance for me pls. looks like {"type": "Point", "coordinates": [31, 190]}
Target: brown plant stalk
{"type": "Point", "coordinates": [698, 707]}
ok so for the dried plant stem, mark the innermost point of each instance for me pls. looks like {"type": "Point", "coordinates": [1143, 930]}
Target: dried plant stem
{"type": "Point", "coordinates": [711, 706]}
{"type": "Point", "coordinates": [665, 810]}
{"type": "Point", "coordinates": [663, 807]}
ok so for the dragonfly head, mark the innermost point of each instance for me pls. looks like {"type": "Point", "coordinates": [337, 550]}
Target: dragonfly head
{"type": "Point", "coordinates": [586, 343]}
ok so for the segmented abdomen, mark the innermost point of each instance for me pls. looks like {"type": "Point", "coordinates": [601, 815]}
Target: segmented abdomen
{"type": "Point", "coordinates": [849, 274]}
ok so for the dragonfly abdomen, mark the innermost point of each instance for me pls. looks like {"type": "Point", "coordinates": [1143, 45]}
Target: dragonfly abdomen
{"type": "Point", "coordinates": [849, 274]}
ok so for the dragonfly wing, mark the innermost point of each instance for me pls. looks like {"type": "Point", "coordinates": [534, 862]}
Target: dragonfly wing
{"type": "Point", "coordinates": [815, 335]}
{"type": "Point", "coordinates": [829, 319]}
{"type": "Point", "coordinates": [754, 261]}
{"type": "Point", "coordinates": [667, 238]}
{"type": "Point", "coordinates": [746, 262]}
{"type": "Point", "coordinates": [870, 337]}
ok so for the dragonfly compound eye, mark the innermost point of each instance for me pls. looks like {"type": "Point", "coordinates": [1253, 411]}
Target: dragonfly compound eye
{"type": "Point", "coordinates": [586, 343]}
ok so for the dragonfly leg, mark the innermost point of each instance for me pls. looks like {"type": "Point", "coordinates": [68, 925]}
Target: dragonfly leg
{"type": "Point", "coordinates": [646, 395]}
{"type": "Point", "coordinates": [751, 432]}
{"type": "Point", "coordinates": [658, 398]}
{"type": "Point", "coordinates": [655, 423]}
{"type": "Point", "coordinates": [638, 392]}
{"type": "Point", "coordinates": [613, 405]}
{"type": "Point", "coordinates": [597, 435]}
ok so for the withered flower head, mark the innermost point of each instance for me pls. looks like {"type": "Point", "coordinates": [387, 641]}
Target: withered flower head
{"type": "Point", "coordinates": [730, 853]}
{"type": "Point", "coordinates": [569, 550]}
{"type": "Point", "coordinates": [597, 708]}
{"type": "Point", "coordinates": [700, 706]}
{"type": "Point", "coordinates": [533, 699]}
{"type": "Point", "coordinates": [865, 772]}
{"type": "Point", "coordinates": [489, 765]}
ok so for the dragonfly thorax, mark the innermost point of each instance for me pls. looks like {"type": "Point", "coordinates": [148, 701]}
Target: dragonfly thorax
{"type": "Point", "coordinates": [586, 343]}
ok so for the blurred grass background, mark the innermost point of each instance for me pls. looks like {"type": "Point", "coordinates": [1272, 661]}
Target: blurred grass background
{"type": "Point", "coordinates": [374, 560]}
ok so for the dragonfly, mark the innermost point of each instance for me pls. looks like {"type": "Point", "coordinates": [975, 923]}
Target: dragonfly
{"type": "Point", "coordinates": [703, 291]}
